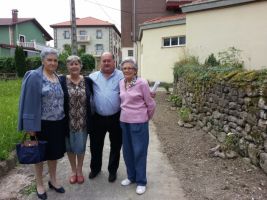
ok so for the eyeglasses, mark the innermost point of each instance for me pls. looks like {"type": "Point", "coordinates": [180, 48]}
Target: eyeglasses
{"type": "Point", "coordinates": [127, 68]}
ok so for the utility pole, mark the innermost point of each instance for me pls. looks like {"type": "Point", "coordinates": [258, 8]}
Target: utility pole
{"type": "Point", "coordinates": [74, 50]}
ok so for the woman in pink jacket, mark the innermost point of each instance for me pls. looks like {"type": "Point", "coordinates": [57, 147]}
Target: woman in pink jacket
{"type": "Point", "coordinates": [137, 108]}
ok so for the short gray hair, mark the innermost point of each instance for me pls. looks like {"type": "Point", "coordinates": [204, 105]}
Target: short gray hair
{"type": "Point", "coordinates": [72, 58]}
{"type": "Point", "coordinates": [129, 60]}
{"type": "Point", "coordinates": [48, 51]}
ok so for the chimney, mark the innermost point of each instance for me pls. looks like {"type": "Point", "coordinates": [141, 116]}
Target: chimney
{"type": "Point", "coordinates": [15, 15]}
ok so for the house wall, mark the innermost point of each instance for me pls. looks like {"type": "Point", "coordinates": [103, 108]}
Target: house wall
{"type": "Point", "coordinates": [4, 32]}
{"type": "Point", "coordinates": [33, 34]}
{"type": "Point", "coordinates": [156, 62]}
{"type": "Point", "coordinates": [243, 27]}
{"type": "Point", "coordinates": [90, 46]}
{"type": "Point", "coordinates": [145, 10]}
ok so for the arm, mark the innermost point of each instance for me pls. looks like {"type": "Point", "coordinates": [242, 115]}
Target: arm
{"type": "Point", "coordinates": [151, 105]}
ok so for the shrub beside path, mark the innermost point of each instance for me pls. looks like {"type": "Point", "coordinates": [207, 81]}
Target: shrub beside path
{"type": "Point", "coordinates": [162, 181]}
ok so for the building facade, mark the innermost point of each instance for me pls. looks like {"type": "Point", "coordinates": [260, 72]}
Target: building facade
{"type": "Point", "coordinates": [24, 32]}
{"type": "Point", "coordinates": [94, 36]}
{"type": "Point", "coordinates": [215, 26]}
{"type": "Point", "coordinates": [162, 43]}
{"type": "Point", "coordinates": [136, 12]}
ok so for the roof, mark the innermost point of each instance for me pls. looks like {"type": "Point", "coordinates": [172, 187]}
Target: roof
{"type": "Point", "coordinates": [87, 21]}
{"type": "Point", "coordinates": [160, 22]}
{"type": "Point", "coordinates": [165, 19]}
{"type": "Point", "coordinates": [9, 22]}
{"type": "Point", "coordinates": [212, 4]}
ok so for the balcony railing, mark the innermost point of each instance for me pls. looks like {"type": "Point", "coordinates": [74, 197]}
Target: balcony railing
{"type": "Point", "coordinates": [83, 38]}
{"type": "Point", "coordinates": [33, 45]}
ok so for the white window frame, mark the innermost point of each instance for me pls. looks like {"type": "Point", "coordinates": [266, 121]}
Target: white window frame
{"type": "Point", "coordinates": [170, 41]}
{"type": "Point", "coordinates": [99, 34]}
{"type": "Point", "coordinates": [23, 37]}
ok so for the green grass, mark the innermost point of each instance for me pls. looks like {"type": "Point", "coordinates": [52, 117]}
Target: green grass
{"type": "Point", "coordinates": [9, 97]}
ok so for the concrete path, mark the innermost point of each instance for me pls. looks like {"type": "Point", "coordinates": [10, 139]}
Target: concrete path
{"type": "Point", "coordinates": [162, 182]}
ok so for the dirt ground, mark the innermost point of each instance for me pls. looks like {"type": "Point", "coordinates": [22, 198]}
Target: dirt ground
{"type": "Point", "coordinates": [202, 176]}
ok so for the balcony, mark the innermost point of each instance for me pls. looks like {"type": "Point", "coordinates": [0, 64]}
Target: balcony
{"type": "Point", "coordinates": [83, 38]}
{"type": "Point", "coordinates": [32, 45]}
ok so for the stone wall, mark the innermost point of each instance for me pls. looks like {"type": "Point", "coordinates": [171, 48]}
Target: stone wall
{"type": "Point", "coordinates": [223, 108]}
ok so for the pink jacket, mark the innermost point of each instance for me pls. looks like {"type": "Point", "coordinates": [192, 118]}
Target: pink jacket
{"type": "Point", "coordinates": [137, 105]}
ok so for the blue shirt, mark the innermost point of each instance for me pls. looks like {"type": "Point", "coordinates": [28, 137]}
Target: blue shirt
{"type": "Point", "coordinates": [52, 101]}
{"type": "Point", "coordinates": [106, 92]}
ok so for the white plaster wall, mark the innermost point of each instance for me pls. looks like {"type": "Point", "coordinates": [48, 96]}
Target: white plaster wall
{"type": "Point", "coordinates": [243, 27]}
{"type": "Point", "coordinates": [157, 62]}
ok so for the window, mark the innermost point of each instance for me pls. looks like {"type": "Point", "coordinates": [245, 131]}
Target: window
{"type": "Point", "coordinates": [82, 32]}
{"type": "Point", "coordinates": [174, 41]}
{"type": "Point", "coordinates": [99, 34]}
{"type": "Point", "coordinates": [66, 35]}
{"type": "Point", "coordinates": [130, 52]}
{"type": "Point", "coordinates": [83, 48]}
{"type": "Point", "coordinates": [182, 40]}
{"type": "Point", "coordinates": [99, 47]}
{"type": "Point", "coordinates": [22, 38]}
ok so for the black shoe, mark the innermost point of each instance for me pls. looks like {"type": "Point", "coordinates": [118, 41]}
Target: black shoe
{"type": "Point", "coordinates": [41, 196]}
{"type": "Point", "coordinates": [93, 175]}
{"type": "Point", "coordinates": [112, 177]}
{"type": "Point", "coordinates": [59, 190]}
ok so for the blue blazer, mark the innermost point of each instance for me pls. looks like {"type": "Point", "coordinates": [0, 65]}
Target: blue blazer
{"type": "Point", "coordinates": [29, 116]}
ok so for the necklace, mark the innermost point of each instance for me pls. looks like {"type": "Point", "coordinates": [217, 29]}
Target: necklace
{"type": "Point", "coordinates": [50, 77]}
{"type": "Point", "coordinates": [131, 83]}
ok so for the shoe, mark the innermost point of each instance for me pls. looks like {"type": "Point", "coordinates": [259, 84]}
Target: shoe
{"type": "Point", "coordinates": [112, 177]}
{"type": "Point", "coordinates": [126, 182]}
{"type": "Point", "coordinates": [58, 190]}
{"type": "Point", "coordinates": [80, 179]}
{"type": "Point", "coordinates": [140, 189]}
{"type": "Point", "coordinates": [41, 196]}
{"type": "Point", "coordinates": [73, 179]}
{"type": "Point", "coordinates": [93, 175]}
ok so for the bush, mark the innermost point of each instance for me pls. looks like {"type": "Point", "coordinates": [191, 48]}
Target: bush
{"type": "Point", "coordinates": [230, 57]}
{"type": "Point", "coordinates": [20, 61]}
{"type": "Point", "coordinates": [7, 65]}
{"type": "Point", "coordinates": [211, 61]}
{"type": "Point", "coordinates": [184, 114]}
{"type": "Point", "coordinates": [176, 100]}
{"type": "Point", "coordinates": [88, 62]}
{"type": "Point", "coordinates": [33, 62]}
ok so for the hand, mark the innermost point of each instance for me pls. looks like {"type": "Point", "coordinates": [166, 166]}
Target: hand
{"type": "Point", "coordinates": [31, 133]}
{"type": "Point", "coordinates": [153, 94]}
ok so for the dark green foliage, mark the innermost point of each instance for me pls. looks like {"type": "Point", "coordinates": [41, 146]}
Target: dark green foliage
{"type": "Point", "coordinates": [20, 61]}
{"type": "Point", "coordinates": [7, 65]}
{"type": "Point", "coordinates": [88, 62]}
{"type": "Point", "coordinates": [211, 61]}
{"type": "Point", "coordinates": [33, 62]}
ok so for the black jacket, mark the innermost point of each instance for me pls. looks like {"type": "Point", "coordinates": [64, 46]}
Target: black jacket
{"type": "Point", "coordinates": [89, 94]}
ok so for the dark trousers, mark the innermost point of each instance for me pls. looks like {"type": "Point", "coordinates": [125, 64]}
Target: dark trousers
{"type": "Point", "coordinates": [101, 125]}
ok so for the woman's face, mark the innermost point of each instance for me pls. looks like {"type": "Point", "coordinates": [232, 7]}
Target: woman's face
{"type": "Point", "coordinates": [50, 62]}
{"type": "Point", "coordinates": [74, 67]}
{"type": "Point", "coordinates": [129, 71]}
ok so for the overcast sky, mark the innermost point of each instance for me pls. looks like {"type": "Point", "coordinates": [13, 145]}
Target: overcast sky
{"type": "Point", "coordinates": [48, 12]}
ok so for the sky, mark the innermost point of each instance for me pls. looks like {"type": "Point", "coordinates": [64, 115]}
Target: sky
{"type": "Point", "coordinates": [48, 12]}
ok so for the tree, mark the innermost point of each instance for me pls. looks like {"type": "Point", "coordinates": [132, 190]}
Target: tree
{"type": "Point", "coordinates": [88, 62]}
{"type": "Point", "coordinates": [20, 61]}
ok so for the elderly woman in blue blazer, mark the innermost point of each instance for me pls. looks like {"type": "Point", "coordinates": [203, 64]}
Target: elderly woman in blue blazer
{"type": "Point", "coordinates": [41, 114]}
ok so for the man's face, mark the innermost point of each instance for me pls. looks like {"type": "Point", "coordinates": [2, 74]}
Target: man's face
{"type": "Point", "coordinates": [107, 63]}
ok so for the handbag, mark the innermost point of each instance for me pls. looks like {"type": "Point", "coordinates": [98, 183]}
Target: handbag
{"type": "Point", "coordinates": [30, 151]}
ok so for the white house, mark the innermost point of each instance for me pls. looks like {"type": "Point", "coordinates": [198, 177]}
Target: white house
{"type": "Point", "coordinates": [93, 35]}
